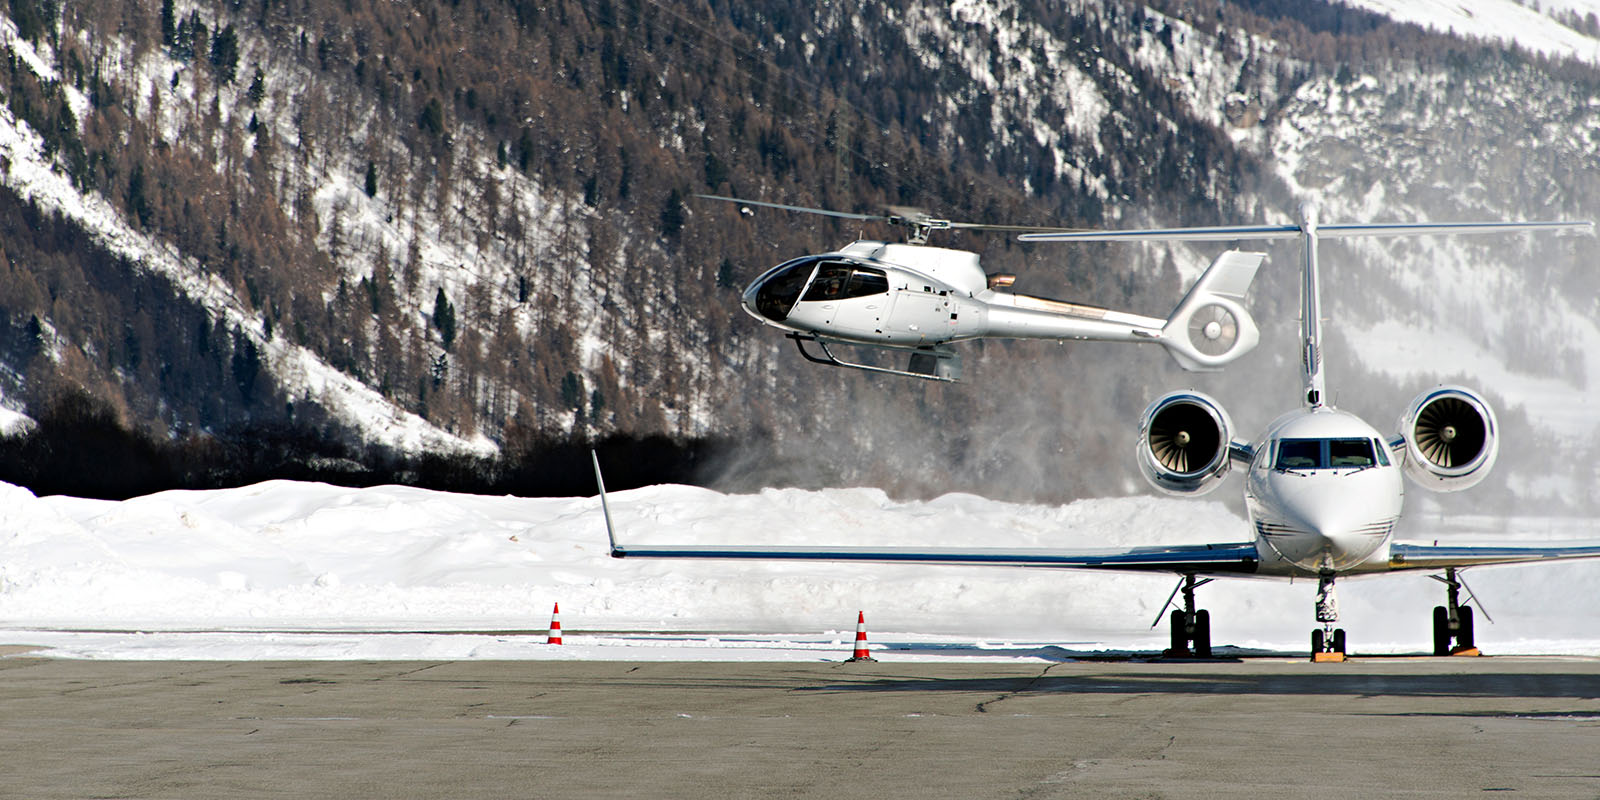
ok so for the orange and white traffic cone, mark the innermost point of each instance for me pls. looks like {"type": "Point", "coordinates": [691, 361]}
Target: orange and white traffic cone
{"type": "Point", "coordinates": [861, 653]}
{"type": "Point", "coordinates": [555, 625]}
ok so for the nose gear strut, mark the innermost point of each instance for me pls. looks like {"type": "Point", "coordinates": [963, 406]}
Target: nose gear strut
{"type": "Point", "coordinates": [1327, 642]}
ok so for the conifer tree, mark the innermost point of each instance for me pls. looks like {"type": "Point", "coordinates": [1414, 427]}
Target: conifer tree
{"type": "Point", "coordinates": [444, 318]}
{"type": "Point", "coordinates": [225, 55]}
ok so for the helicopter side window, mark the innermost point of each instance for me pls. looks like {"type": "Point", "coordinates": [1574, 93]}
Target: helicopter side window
{"type": "Point", "coordinates": [866, 282]}
{"type": "Point", "coordinates": [836, 281]}
{"type": "Point", "coordinates": [830, 283]}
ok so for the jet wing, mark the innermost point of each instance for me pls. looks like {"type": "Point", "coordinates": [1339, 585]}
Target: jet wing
{"type": "Point", "coordinates": [1200, 558]}
{"type": "Point", "coordinates": [1403, 556]}
{"type": "Point", "coordinates": [1237, 557]}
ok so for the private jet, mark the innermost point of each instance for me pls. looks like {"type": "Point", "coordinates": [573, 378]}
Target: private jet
{"type": "Point", "coordinates": [1323, 488]}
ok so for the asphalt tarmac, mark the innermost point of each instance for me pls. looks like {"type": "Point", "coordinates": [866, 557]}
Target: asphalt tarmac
{"type": "Point", "coordinates": [1381, 727]}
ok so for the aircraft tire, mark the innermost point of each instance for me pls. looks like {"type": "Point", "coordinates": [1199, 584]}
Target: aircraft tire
{"type": "Point", "coordinates": [1316, 641]}
{"type": "Point", "coordinates": [1441, 631]}
{"type": "Point", "coordinates": [1338, 641]}
{"type": "Point", "coordinates": [1202, 634]}
{"type": "Point", "coordinates": [1464, 634]}
{"type": "Point", "coordinates": [1180, 636]}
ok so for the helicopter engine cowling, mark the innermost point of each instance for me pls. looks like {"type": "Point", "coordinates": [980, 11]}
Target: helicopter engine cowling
{"type": "Point", "coordinates": [1451, 439]}
{"type": "Point", "coordinates": [1184, 442]}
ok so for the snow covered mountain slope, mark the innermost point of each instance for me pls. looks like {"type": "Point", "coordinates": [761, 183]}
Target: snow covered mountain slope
{"type": "Point", "coordinates": [1541, 27]}
{"type": "Point", "coordinates": [32, 173]}
{"type": "Point", "coordinates": [471, 226]}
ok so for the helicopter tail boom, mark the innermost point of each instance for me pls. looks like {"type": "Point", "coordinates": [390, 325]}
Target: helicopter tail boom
{"type": "Point", "coordinates": [1209, 328]}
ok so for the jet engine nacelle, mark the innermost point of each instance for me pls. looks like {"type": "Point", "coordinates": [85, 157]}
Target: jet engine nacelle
{"type": "Point", "coordinates": [1451, 439]}
{"type": "Point", "coordinates": [1183, 443]}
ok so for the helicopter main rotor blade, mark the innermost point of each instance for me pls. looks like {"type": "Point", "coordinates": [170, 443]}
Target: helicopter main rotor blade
{"type": "Point", "coordinates": [801, 209]}
{"type": "Point", "coordinates": [898, 215]}
{"type": "Point", "coordinates": [1228, 233]}
{"type": "Point", "coordinates": [983, 226]}
{"type": "Point", "coordinates": [1326, 231]}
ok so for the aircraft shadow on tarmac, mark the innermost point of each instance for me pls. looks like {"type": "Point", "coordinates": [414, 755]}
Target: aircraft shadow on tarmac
{"type": "Point", "coordinates": [1348, 682]}
{"type": "Point", "coordinates": [1064, 653]}
{"type": "Point", "coordinates": [1503, 685]}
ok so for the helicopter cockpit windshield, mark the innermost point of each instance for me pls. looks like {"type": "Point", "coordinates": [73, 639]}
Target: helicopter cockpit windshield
{"type": "Point", "coordinates": [778, 293]}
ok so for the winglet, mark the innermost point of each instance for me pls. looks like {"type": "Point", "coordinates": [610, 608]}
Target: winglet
{"type": "Point", "coordinates": [611, 533]}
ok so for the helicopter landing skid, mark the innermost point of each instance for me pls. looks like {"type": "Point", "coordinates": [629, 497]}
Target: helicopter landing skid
{"type": "Point", "coordinates": [921, 359]}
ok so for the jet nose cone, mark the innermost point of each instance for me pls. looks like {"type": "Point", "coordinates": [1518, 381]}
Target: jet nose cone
{"type": "Point", "coordinates": [1333, 533]}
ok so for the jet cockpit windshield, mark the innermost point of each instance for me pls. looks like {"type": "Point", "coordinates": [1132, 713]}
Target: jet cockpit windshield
{"type": "Point", "coordinates": [1349, 453]}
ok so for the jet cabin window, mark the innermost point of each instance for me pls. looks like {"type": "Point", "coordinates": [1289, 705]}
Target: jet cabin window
{"type": "Point", "coordinates": [837, 281]}
{"type": "Point", "coordinates": [1325, 454]}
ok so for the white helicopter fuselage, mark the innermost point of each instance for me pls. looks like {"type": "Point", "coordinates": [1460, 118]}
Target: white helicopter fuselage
{"type": "Point", "coordinates": [1323, 492]}
{"type": "Point", "coordinates": [903, 295]}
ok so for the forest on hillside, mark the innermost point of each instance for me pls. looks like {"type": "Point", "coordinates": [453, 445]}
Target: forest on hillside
{"type": "Point", "coordinates": [485, 211]}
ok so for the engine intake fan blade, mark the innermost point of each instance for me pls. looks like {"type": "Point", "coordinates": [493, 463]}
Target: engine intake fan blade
{"type": "Point", "coordinates": [1184, 438]}
{"type": "Point", "coordinates": [1449, 432]}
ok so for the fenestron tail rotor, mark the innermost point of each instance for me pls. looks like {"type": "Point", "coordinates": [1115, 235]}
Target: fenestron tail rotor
{"type": "Point", "coordinates": [1213, 330]}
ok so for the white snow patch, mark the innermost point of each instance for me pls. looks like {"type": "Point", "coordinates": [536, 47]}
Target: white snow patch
{"type": "Point", "coordinates": [1529, 26]}
{"type": "Point", "coordinates": [303, 570]}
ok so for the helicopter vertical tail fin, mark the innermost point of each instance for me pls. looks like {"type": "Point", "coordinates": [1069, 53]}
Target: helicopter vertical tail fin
{"type": "Point", "coordinates": [1211, 327]}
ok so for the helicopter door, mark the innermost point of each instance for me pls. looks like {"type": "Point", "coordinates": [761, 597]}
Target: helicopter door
{"type": "Point", "coordinates": [921, 314]}
{"type": "Point", "coordinates": [827, 290]}
{"type": "Point", "coordinates": [850, 299]}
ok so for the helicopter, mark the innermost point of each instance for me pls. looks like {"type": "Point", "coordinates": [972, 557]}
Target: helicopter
{"type": "Point", "coordinates": [918, 299]}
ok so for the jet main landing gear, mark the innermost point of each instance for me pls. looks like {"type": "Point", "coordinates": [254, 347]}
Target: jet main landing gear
{"type": "Point", "coordinates": [1452, 622]}
{"type": "Point", "coordinates": [1327, 642]}
{"type": "Point", "coordinates": [1188, 625]}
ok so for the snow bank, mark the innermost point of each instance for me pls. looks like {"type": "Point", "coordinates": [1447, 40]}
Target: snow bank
{"type": "Point", "coordinates": [310, 570]}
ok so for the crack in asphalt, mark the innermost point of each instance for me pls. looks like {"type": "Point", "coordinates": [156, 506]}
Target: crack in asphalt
{"type": "Point", "coordinates": [983, 707]}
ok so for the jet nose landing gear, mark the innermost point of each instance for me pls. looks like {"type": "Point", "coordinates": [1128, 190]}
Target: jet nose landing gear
{"type": "Point", "coordinates": [1327, 642]}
